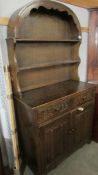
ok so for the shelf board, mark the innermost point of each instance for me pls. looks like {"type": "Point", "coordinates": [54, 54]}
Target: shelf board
{"type": "Point", "coordinates": [45, 65]}
{"type": "Point", "coordinates": [47, 41]}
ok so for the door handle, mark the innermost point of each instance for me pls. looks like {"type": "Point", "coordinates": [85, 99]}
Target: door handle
{"type": "Point", "coordinates": [80, 109]}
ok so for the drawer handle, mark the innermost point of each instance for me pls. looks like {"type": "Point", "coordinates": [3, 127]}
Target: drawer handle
{"type": "Point", "coordinates": [80, 109]}
{"type": "Point", "coordinates": [72, 130]}
{"type": "Point", "coordinates": [84, 98]}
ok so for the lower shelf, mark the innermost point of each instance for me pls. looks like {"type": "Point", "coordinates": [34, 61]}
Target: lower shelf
{"type": "Point", "coordinates": [45, 65]}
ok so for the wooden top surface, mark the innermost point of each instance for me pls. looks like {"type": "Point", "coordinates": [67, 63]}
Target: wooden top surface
{"type": "Point", "coordinates": [52, 92]}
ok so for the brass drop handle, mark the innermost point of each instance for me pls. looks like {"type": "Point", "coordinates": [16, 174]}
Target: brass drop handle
{"type": "Point", "coordinates": [84, 98]}
{"type": "Point", "coordinates": [80, 109]}
{"type": "Point", "coordinates": [72, 130]}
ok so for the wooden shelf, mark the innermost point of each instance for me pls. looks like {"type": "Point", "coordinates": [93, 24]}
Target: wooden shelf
{"type": "Point", "coordinates": [47, 41]}
{"type": "Point", "coordinates": [45, 65]}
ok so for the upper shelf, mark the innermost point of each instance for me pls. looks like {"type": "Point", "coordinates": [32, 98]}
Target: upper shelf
{"type": "Point", "coordinates": [48, 41]}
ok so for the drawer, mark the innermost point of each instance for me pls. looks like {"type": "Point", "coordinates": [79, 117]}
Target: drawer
{"type": "Point", "coordinates": [57, 107]}
{"type": "Point", "coordinates": [82, 97]}
{"type": "Point", "coordinates": [87, 95]}
{"type": "Point", "coordinates": [52, 110]}
{"type": "Point", "coordinates": [83, 108]}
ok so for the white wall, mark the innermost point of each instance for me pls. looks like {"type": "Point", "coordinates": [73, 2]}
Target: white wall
{"type": "Point", "coordinates": [83, 16]}
{"type": "Point", "coordinates": [7, 7]}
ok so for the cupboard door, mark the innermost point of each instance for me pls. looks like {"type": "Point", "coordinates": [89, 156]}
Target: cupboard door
{"type": "Point", "coordinates": [66, 134]}
{"type": "Point", "coordinates": [75, 130]}
{"type": "Point", "coordinates": [88, 124]}
{"type": "Point", "coordinates": [82, 123]}
{"type": "Point", "coordinates": [56, 140]}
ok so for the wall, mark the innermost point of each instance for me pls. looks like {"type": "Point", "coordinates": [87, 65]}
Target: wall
{"type": "Point", "coordinates": [83, 16]}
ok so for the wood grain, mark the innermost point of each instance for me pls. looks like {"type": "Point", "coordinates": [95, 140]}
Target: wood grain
{"type": "Point", "coordinates": [44, 60]}
{"type": "Point", "coordinates": [93, 63]}
{"type": "Point", "coordinates": [93, 47]}
{"type": "Point", "coordinates": [85, 4]}
{"type": "Point", "coordinates": [1, 164]}
{"type": "Point", "coordinates": [4, 21]}
{"type": "Point", "coordinates": [85, 29]}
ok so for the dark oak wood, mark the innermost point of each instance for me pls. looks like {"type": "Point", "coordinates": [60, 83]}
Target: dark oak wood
{"type": "Point", "coordinates": [46, 65]}
{"type": "Point", "coordinates": [48, 122]}
{"type": "Point", "coordinates": [93, 47]}
{"type": "Point", "coordinates": [54, 110]}
{"type": "Point", "coordinates": [47, 46]}
{"type": "Point", "coordinates": [47, 41]}
{"type": "Point", "coordinates": [95, 126]}
{"type": "Point", "coordinates": [93, 62]}
{"type": "Point", "coordinates": [1, 165]}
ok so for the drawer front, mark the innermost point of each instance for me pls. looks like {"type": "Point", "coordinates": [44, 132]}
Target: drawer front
{"type": "Point", "coordinates": [59, 106]}
{"type": "Point", "coordinates": [87, 95]}
{"type": "Point", "coordinates": [52, 110]}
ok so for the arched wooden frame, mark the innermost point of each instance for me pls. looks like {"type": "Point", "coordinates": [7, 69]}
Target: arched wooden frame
{"type": "Point", "coordinates": [15, 27]}
{"type": "Point", "coordinates": [18, 17]}
{"type": "Point", "coordinates": [43, 69]}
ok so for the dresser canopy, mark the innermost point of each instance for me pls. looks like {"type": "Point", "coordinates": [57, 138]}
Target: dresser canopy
{"type": "Point", "coordinates": [43, 45]}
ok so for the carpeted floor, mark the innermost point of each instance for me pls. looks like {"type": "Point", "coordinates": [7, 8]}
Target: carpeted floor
{"type": "Point", "coordinates": [82, 162]}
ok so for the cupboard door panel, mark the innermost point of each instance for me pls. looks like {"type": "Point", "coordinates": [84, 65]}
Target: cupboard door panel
{"type": "Point", "coordinates": [82, 123]}
{"type": "Point", "coordinates": [56, 144]}
{"type": "Point", "coordinates": [66, 134]}
{"type": "Point", "coordinates": [78, 124]}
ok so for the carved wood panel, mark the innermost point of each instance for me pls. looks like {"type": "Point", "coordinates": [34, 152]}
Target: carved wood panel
{"type": "Point", "coordinates": [56, 142]}
{"type": "Point", "coordinates": [67, 133]}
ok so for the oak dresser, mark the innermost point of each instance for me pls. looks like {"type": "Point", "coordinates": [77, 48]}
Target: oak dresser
{"type": "Point", "coordinates": [54, 110]}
